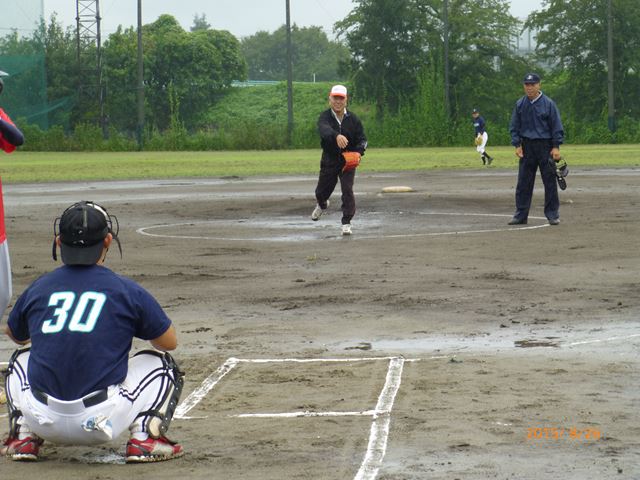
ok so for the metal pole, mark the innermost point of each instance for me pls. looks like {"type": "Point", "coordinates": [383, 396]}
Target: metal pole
{"type": "Point", "coordinates": [445, 19]}
{"type": "Point", "coordinates": [611, 120]}
{"type": "Point", "coordinates": [289, 80]}
{"type": "Point", "coordinates": [140, 126]}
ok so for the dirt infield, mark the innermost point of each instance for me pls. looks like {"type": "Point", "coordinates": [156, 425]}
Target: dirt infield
{"type": "Point", "coordinates": [435, 343]}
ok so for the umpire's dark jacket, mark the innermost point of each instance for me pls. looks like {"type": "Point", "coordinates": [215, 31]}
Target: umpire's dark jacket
{"type": "Point", "coordinates": [537, 120]}
{"type": "Point", "coordinates": [329, 128]}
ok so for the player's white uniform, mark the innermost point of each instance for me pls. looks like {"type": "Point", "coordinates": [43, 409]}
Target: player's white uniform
{"type": "Point", "coordinates": [480, 148]}
{"type": "Point", "coordinates": [73, 422]}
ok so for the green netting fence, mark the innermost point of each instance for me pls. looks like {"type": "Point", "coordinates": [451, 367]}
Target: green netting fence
{"type": "Point", "coordinates": [25, 86]}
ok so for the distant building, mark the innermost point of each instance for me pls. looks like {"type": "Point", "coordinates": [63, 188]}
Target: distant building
{"type": "Point", "coordinates": [526, 42]}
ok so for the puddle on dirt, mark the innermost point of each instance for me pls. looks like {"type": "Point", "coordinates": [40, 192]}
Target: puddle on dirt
{"type": "Point", "coordinates": [431, 344]}
{"type": "Point", "coordinates": [535, 343]}
{"type": "Point", "coordinates": [590, 336]}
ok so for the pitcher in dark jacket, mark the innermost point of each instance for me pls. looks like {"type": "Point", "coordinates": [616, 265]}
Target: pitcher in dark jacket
{"type": "Point", "coordinates": [340, 131]}
{"type": "Point", "coordinates": [537, 133]}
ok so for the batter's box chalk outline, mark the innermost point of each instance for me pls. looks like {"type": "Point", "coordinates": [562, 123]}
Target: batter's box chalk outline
{"type": "Point", "coordinates": [381, 414]}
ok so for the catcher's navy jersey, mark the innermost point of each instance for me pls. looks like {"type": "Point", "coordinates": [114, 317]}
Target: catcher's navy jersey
{"type": "Point", "coordinates": [81, 321]}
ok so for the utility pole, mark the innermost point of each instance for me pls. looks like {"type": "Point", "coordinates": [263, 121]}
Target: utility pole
{"type": "Point", "coordinates": [289, 80]}
{"type": "Point", "coordinates": [140, 89]}
{"type": "Point", "coordinates": [611, 120]}
{"type": "Point", "coordinates": [445, 21]}
{"type": "Point", "coordinates": [88, 36]}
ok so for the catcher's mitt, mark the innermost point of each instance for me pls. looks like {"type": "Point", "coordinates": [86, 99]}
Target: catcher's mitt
{"type": "Point", "coordinates": [351, 160]}
{"type": "Point", "coordinates": [478, 140]}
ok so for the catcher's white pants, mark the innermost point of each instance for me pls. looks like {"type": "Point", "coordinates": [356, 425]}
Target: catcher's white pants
{"type": "Point", "coordinates": [70, 422]}
{"type": "Point", "coordinates": [5, 277]}
{"type": "Point", "coordinates": [480, 148]}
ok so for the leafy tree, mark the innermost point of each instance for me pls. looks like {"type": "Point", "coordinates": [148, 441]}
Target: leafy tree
{"type": "Point", "coordinates": [393, 41]}
{"type": "Point", "coordinates": [485, 71]}
{"type": "Point", "coordinates": [573, 39]}
{"type": "Point", "coordinates": [387, 42]}
{"type": "Point", "coordinates": [314, 56]}
{"type": "Point", "coordinates": [190, 67]}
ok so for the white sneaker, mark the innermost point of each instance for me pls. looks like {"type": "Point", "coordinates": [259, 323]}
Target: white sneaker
{"type": "Point", "coordinates": [346, 229]}
{"type": "Point", "coordinates": [317, 212]}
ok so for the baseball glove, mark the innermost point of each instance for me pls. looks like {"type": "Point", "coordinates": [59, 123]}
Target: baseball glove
{"type": "Point", "coordinates": [351, 160]}
{"type": "Point", "coordinates": [562, 170]}
{"type": "Point", "coordinates": [478, 140]}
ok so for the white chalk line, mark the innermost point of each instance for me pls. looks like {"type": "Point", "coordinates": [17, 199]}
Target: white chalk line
{"type": "Point", "coordinates": [145, 230]}
{"type": "Point", "coordinates": [307, 413]}
{"type": "Point", "coordinates": [379, 435]}
{"type": "Point", "coordinates": [322, 360]}
{"type": "Point", "coordinates": [379, 431]}
{"type": "Point", "coordinates": [199, 393]}
{"type": "Point", "coordinates": [210, 382]}
{"type": "Point", "coordinates": [600, 340]}
{"type": "Point", "coordinates": [442, 234]}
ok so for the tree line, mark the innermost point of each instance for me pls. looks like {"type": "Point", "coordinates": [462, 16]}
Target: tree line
{"type": "Point", "coordinates": [399, 58]}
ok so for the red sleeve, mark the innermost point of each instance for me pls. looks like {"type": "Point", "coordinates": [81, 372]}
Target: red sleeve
{"type": "Point", "coordinates": [4, 145]}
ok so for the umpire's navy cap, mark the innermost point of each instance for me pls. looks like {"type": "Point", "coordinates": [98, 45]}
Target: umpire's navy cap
{"type": "Point", "coordinates": [83, 227]}
{"type": "Point", "coordinates": [531, 78]}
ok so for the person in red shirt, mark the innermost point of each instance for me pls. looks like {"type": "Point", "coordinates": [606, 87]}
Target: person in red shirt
{"type": "Point", "coordinates": [10, 138]}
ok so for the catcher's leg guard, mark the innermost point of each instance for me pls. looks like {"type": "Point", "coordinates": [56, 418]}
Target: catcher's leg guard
{"type": "Point", "coordinates": [162, 412]}
{"type": "Point", "coordinates": [14, 369]}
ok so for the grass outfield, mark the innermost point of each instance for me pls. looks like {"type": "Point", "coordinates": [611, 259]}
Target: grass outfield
{"type": "Point", "coordinates": [37, 167]}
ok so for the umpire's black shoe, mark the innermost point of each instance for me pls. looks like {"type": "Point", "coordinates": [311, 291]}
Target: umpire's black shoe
{"type": "Point", "coordinates": [518, 221]}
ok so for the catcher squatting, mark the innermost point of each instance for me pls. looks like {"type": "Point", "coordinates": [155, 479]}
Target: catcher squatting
{"type": "Point", "coordinates": [76, 383]}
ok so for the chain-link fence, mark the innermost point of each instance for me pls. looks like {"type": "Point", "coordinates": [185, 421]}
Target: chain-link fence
{"type": "Point", "coordinates": [25, 83]}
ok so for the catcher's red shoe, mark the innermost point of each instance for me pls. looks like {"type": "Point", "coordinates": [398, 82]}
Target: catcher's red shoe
{"type": "Point", "coordinates": [25, 450]}
{"type": "Point", "coordinates": [152, 450]}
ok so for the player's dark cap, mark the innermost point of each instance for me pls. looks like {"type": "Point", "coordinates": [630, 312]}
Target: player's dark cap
{"type": "Point", "coordinates": [531, 78]}
{"type": "Point", "coordinates": [82, 229]}
{"type": "Point", "coordinates": [475, 110]}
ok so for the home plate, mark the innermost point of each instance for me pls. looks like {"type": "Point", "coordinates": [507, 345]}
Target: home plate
{"type": "Point", "coordinates": [397, 189]}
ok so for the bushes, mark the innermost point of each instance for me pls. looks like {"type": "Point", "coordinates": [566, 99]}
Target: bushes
{"type": "Point", "coordinates": [255, 118]}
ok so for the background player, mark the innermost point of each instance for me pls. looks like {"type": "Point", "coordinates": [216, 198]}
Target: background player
{"type": "Point", "coordinates": [340, 130]}
{"type": "Point", "coordinates": [10, 138]}
{"type": "Point", "coordinates": [77, 384]}
{"type": "Point", "coordinates": [481, 137]}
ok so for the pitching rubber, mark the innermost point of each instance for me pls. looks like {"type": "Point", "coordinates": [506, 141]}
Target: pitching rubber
{"type": "Point", "coordinates": [397, 189]}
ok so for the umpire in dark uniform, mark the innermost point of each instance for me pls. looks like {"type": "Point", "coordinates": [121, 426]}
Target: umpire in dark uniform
{"type": "Point", "coordinates": [537, 133]}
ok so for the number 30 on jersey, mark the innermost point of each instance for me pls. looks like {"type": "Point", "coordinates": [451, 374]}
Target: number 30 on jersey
{"type": "Point", "coordinates": [82, 314]}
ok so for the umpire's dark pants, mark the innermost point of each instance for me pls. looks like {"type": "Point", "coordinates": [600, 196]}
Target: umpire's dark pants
{"type": "Point", "coordinates": [536, 155]}
{"type": "Point", "coordinates": [329, 175]}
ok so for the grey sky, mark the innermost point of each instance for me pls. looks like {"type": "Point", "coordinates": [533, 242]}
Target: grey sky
{"type": "Point", "coordinates": [240, 17]}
